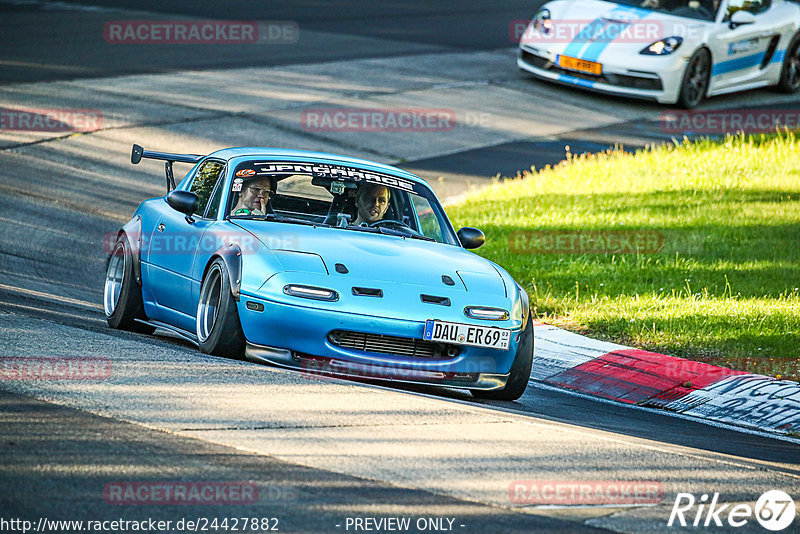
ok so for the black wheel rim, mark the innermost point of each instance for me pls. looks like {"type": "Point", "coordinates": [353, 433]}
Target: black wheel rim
{"type": "Point", "coordinates": [696, 78]}
{"type": "Point", "coordinates": [793, 66]}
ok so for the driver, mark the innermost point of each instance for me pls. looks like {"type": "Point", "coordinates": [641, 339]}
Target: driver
{"type": "Point", "coordinates": [254, 197]}
{"type": "Point", "coordinates": [372, 202]}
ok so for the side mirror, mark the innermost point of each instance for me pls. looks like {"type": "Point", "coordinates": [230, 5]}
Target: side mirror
{"type": "Point", "coordinates": [184, 202]}
{"type": "Point", "coordinates": [136, 154]}
{"type": "Point", "coordinates": [741, 18]}
{"type": "Point", "coordinates": [471, 237]}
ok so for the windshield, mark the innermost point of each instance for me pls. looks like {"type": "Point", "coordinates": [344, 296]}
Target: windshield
{"type": "Point", "coordinates": [337, 196]}
{"type": "Point", "coordinates": [693, 9]}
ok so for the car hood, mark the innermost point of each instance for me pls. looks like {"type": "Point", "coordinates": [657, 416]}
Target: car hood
{"type": "Point", "coordinates": [611, 28]}
{"type": "Point", "coordinates": [370, 257]}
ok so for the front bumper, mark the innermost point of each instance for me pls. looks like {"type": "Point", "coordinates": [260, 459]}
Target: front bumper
{"type": "Point", "coordinates": [300, 337]}
{"type": "Point", "coordinates": [320, 366]}
{"type": "Point", "coordinates": [662, 86]}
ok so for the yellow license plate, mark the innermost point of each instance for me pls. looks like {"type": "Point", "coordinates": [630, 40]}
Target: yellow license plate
{"type": "Point", "coordinates": [580, 65]}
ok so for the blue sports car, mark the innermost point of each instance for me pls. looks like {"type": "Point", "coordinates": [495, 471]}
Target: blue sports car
{"type": "Point", "coordinates": [321, 263]}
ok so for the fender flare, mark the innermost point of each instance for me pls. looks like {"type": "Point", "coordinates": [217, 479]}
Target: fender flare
{"type": "Point", "coordinates": [526, 305]}
{"type": "Point", "coordinates": [231, 255]}
{"type": "Point", "coordinates": [132, 230]}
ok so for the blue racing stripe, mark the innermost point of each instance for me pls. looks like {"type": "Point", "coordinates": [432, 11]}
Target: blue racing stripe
{"type": "Point", "coordinates": [745, 62]}
{"type": "Point", "coordinates": [613, 30]}
{"type": "Point", "coordinates": [574, 48]}
{"type": "Point", "coordinates": [575, 81]}
{"type": "Point", "coordinates": [594, 28]}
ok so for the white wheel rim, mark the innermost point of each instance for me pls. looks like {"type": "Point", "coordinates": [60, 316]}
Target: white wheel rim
{"type": "Point", "coordinates": [115, 277]}
{"type": "Point", "coordinates": [208, 307]}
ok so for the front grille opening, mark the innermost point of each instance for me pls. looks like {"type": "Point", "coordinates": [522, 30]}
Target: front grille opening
{"type": "Point", "coordinates": [646, 81]}
{"type": "Point", "coordinates": [397, 346]}
{"type": "Point", "coordinates": [536, 61]}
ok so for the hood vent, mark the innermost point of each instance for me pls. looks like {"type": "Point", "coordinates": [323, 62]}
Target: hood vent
{"type": "Point", "coordinates": [367, 292]}
{"type": "Point", "coordinates": [433, 299]}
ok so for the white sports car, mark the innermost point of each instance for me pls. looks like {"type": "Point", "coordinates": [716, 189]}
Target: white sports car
{"type": "Point", "coordinates": [670, 51]}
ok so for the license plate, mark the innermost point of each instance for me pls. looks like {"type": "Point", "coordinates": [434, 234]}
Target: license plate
{"type": "Point", "coordinates": [581, 65]}
{"type": "Point", "coordinates": [467, 334]}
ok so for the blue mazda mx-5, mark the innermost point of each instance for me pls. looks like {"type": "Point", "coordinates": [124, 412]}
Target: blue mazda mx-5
{"type": "Point", "coordinates": [321, 263]}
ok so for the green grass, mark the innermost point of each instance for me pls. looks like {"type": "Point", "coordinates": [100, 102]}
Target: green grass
{"type": "Point", "coordinates": [724, 287]}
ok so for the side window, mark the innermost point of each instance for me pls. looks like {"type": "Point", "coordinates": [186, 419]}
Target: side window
{"type": "Point", "coordinates": [204, 181]}
{"type": "Point", "coordinates": [752, 6]}
{"type": "Point", "coordinates": [428, 221]}
{"type": "Point", "coordinates": [213, 204]}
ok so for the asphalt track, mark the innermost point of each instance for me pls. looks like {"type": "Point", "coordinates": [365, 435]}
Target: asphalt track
{"type": "Point", "coordinates": [319, 450]}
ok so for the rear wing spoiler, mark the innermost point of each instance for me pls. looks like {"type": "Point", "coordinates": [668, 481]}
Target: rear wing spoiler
{"type": "Point", "coordinates": [137, 153]}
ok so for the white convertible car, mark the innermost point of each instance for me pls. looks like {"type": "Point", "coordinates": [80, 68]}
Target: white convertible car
{"type": "Point", "coordinates": [670, 51]}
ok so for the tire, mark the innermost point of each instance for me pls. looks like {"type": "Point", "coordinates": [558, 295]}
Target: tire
{"type": "Point", "coordinates": [122, 296]}
{"type": "Point", "coordinates": [219, 331]}
{"type": "Point", "coordinates": [520, 371]}
{"type": "Point", "coordinates": [790, 73]}
{"type": "Point", "coordinates": [696, 78]}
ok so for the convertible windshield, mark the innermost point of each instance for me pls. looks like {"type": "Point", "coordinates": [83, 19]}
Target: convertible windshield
{"type": "Point", "coordinates": [693, 9]}
{"type": "Point", "coordinates": [343, 197]}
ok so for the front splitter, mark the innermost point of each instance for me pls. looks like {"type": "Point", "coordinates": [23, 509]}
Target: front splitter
{"type": "Point", "coordinates": [341, 368]}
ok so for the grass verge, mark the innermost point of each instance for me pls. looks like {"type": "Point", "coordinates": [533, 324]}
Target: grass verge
{"type": "Point", "coordinates": [691, 250]}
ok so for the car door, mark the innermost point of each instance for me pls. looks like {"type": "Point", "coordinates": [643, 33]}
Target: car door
{"type": "Point", "coordinates": [741, 54]}
{"type": "Point", "coordinates": [174, 244]}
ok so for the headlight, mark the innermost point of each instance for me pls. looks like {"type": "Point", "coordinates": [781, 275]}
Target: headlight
{"type": "Point", "coordinates": [486, 314]}
{"type": "Point", "coordinates": [541, 21]}
{"type": "Point", "coordinates": [310, 292]}
{"type": "Point", "coordinates": [664, 47]}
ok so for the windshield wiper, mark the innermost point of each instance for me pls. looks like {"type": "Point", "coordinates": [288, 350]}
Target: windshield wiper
{"type": "Point", "coordinates": [387, 231]}
{"type": "Point", "coordinates": [267, 217]}
{"type": "Point", "coordinates": [420, 236]}
{"type": "Point", "coordinates": [359, 228]}
{"type": "Point", "coordinates": [292, 220]}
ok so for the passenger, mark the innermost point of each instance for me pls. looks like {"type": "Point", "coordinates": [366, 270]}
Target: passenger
{"type": "Point", "coordinates": [254, 197]}
{"type": "Point", "coordinates": [372, 202]}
